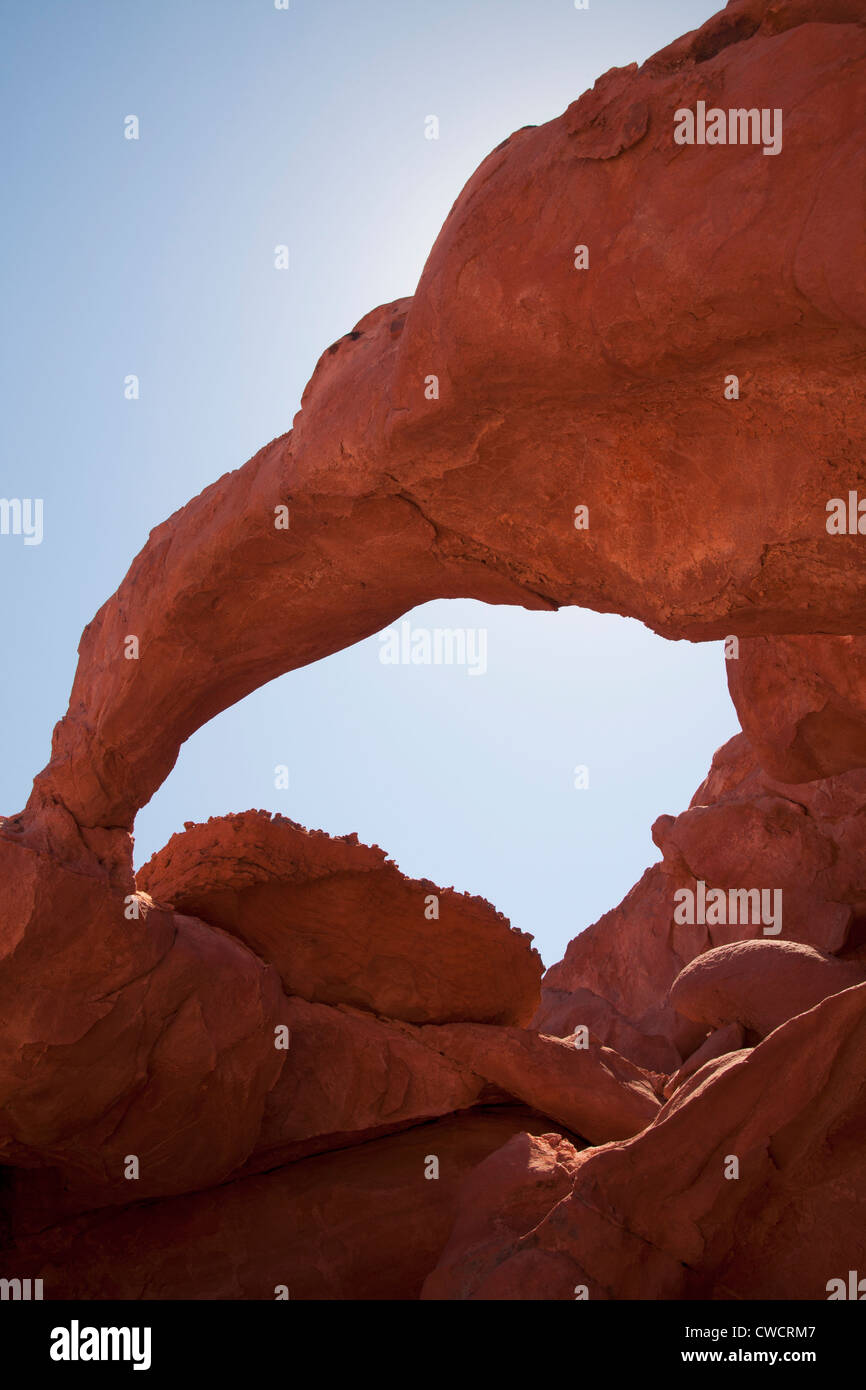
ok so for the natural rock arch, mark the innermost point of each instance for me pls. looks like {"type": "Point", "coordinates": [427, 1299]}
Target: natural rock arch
{"type": "Point", "coordinates": [559, 387]}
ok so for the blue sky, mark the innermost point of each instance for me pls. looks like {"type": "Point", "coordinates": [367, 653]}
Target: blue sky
{"type": "Point", "coordinates": [155, 257]}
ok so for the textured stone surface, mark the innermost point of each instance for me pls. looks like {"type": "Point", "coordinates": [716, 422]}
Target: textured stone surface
{"type": "Point", "coordinates": [627, 1007]}
{"type": "Point", "coordinates": [342, 925]}
{"type": "Point", "coordinates": [139, 1036]}
{"type": "Point", "coordinates": [802, 704]}
{"type": "Point", "coordinates": [759, 984]}
{"type": "Point", "coordinates": [360, 1224]}
{"type": "Point", "coordinates": [125, 1036]}
{"type": "Point", "coordinates": [655, 1217]}
{"type": "Point", "coordinates": [718, 1043]}
{"type": "Point", "coordinates": [520, 1183]}
{"type": "Point", "coordinates": [741, 831]}
{"type": "Point", "coordinates": [593, 1091]}
{"type": "Point", "coordinates": [602, 388]}
{"type": "Point", "coordinates": [142, 1021]}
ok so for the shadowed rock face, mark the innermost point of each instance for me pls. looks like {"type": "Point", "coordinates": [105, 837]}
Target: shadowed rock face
{"type": "Point", "coordinates": [275, 1024]}
{"type": "Point", "coordinates": [362, 1223]}
{"type": "Point", "coordinates": [657, 1217]}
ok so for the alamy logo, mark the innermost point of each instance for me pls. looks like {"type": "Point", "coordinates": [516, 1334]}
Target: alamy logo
{"type": "Point", "coordinates": [739, 906]}
{"type": "Point", "coordinates": [856, 1288]}
{"type": "Point", "coordinates": [76, 1343]}
{"type": "Point", "coordinates": [439, 646]}
{"type": "Point", "coordinates": [847, 521]}
{"type": "Point", "coordinates": [22, 516]}
{"type": "Point", "coordinates": [738, 126]}
{"type": "Point", "coordinates": [20, 1289]}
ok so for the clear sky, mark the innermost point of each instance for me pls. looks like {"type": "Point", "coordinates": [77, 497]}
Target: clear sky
{"type": "Point", "coordinates": [304, 127]}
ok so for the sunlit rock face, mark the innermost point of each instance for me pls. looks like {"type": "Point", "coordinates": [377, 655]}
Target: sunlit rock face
{"type": "Point", "coordinates": [631, 378]}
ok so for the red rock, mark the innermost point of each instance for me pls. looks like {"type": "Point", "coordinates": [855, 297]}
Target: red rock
{"type": "Point", "coordinates": [592, 1091]}
{"type": "Point", "coordinates": [719, 1043]}
{"type": "Point", "coordinates": [360, 1224]}
{"type": "Point", "coordinates": [742, 831]}
{"type": "Point", "coordinates": [759, 984]}
{"type": "Point", "coordinates": [348, 1075]}
{"type": "Point", "coordinates": [126, 1036]}
{"type": "Point", "coordinates": [655, 1217]}
{"type": "Point", "coordinates": [698, 1079]}
{"type": "Point", "coordinates": [564, 1011]}
{"type": "Point", "coordinates": [528, 1174]}
{"type": "Point", "coordinates": [802, 704]}
{"type": "Point", "coordinates": [766, 842]}
{"type": "Point", "coordinates": [342, 925]}
{"type": "Point", "coordinates": [172, 1024]}
{"type": "Point", "coordinates": [601, 387]}
{"type": "Point", "coordinates": [558, 388]}
{"type": "Point", "coordinates": [625, 1007]}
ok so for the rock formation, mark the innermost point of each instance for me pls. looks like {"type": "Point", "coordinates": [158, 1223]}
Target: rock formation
{"type": "Point", "coordinates": [269, 1062]}
{"type": "Point", "coordinates": [342, 925]}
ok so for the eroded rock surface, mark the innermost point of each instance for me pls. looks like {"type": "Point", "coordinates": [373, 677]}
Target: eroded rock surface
{"type": "Point", "coordinates": [743, 832]}
{"type": "Point", "coordinates": [364, 1223]}
{"type": "Point", "coordinates": [342, 925]}
{"type": "Point", "coordinates": [601, 388]}
{"type": "Point", "coordinates": [657, 1217]}
{"type": "Point", "coordinates": [267, 1023]}
{"type": "Point", "coordinates": [759, 984]}
{"type": "Point", "coordinates": [802, 704]}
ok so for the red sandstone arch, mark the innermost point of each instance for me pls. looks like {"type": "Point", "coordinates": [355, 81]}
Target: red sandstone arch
{"type": "Point", "coordinates": [557, 387]}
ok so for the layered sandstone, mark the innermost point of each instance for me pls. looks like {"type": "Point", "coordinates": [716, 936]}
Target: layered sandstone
{"type": "Point", "coordinates": [663, 1216]}
{"type": "Point", "coordinates": [342, 925]}
{"type": "Point", "coordinates": [273, 1024]}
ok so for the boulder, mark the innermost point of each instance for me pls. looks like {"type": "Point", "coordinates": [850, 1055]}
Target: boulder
{"type": "Point", "coordinates": [759, 984]}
